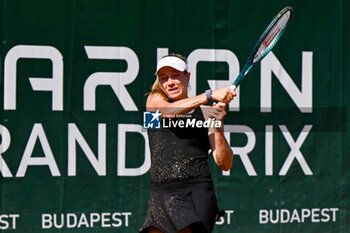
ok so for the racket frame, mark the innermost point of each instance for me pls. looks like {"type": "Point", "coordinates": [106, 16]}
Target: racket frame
{"type": "Point", "coordinates": [249, 63]}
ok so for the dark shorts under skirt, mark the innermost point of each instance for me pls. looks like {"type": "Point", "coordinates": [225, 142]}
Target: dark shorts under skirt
{"type": "Point", "coordinates": [172, 207]}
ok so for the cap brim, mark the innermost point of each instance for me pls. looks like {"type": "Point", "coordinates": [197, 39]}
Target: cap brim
{"type": "Point", "coordinates": [173, 62]}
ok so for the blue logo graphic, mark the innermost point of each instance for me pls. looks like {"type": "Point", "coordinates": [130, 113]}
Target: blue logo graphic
{"type": "Point", "coordinates": [151, 120]}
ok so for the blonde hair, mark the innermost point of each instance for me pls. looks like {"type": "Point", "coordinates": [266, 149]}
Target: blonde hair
{"type": "Point", "coordinates": [157, 88]}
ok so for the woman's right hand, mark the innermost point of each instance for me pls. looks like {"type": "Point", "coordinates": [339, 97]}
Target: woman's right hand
{"type": "Point", "coordinates": [224, 95]}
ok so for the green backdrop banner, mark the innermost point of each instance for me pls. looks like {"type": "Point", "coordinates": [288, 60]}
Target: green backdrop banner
{"type": "Point", "coordinates": [74, 78]}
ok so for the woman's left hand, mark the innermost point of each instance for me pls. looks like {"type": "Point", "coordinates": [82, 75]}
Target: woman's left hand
{"type": "Point", "coordinates": [218, 111]}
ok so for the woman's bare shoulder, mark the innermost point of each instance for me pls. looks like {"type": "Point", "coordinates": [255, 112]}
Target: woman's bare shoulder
{"type": "Point", "coordinates": [155, 100]}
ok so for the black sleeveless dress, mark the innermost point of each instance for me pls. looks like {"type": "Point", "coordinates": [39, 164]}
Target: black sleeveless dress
{"type": "Point", "coordinates": [182, 192]}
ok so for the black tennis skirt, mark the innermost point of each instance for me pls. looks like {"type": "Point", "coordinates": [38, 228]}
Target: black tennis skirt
{"type": "Point", "coordinates": [172, 207]}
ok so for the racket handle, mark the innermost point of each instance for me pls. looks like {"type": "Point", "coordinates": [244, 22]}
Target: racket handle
{"type": "Point", "coordinates": [233, 87]}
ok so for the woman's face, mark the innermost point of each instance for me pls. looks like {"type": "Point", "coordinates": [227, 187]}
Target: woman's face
{"type": "Point", "coordinates": [174, 82]}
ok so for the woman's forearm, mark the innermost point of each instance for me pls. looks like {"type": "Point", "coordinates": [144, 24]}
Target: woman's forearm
{"type": "Point", "coordinates": [223, 154]}
{"type": "Point", "coordinates": [171, 109]}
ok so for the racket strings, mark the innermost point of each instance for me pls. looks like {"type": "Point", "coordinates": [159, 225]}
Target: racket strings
{"type": "Point", "coordinates": [280, 25]}
{"type": "Point", "coordinates": [272, 37]}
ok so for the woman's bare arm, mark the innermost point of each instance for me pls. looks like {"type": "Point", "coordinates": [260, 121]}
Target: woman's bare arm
{"type": "Point", "coordinates": [221, 150]}
{"type": "Point", "coordinates": [171, 109]}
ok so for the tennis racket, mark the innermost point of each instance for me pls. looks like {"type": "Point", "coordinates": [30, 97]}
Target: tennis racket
{"type": "Point", "coordinates": [266, 42]}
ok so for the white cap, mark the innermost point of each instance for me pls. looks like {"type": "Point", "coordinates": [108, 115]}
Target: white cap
{"type": "Point", "coordinates": [172, 61]}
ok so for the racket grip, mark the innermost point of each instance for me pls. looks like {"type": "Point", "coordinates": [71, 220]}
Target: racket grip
{"type": "Point", "coordinates": [233, 87]}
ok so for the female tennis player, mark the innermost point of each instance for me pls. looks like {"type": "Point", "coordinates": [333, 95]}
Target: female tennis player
{"type": "Point", "coordinates": [182, 195]}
